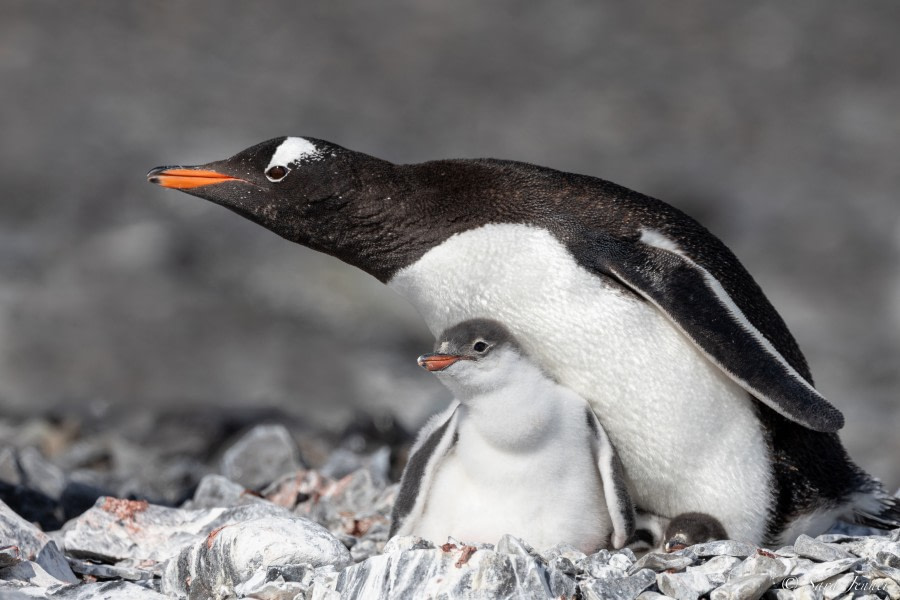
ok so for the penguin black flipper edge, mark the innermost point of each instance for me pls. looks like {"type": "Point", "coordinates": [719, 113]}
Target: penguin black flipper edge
{"type": "Point", "coordinates": [659, 270]}
{"type": "Point", "coordinates": [434, 441]}
{"type": "Point", "coordinates": [615, 491]}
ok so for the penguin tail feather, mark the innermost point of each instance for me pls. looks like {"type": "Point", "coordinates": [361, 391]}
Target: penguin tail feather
{"type": "Point", "coordinates": [886, 513]}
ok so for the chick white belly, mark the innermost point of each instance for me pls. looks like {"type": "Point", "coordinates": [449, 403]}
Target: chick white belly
{"type": "Point", "coordinates": [687, 435]}
{"type": "Point", "coordinates": [542, 502]}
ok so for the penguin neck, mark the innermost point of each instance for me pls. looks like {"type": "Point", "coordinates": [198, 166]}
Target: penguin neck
{"type": "Point", "coordinates": [394, 214]}
{"type": "Point", "coordinates": [516, 415]}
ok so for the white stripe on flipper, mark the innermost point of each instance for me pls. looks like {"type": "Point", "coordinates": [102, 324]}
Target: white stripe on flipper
{"type": "Point", "coordinates": [605, 458]}
{"type": "Point", "coordinates": [656, 239]}
{"type": "Point", "coordinates": [292, 150]}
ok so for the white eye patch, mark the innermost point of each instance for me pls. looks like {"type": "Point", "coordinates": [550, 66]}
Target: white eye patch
{"type": "Point", "coordinates": [291, 150]}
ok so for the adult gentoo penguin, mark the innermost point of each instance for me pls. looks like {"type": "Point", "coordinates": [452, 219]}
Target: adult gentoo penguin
{"type": "Point", "coordinates": [515, 453]}
{"type": "Point", "coordinates": [621, 297]}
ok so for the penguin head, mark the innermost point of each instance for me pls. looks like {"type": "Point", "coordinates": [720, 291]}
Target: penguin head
{"type": "Point", "coordinates": [692, 528]}
{"type": "Point", "coordinates": [475, 356]}
{"type": "Point", "coordinates": [304, 189]}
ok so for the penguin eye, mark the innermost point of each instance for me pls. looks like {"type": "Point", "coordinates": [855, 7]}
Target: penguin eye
{"type": "Point", "coordinates": [480, 347]}
{"type": "Point", "coordinates": [277, 173]}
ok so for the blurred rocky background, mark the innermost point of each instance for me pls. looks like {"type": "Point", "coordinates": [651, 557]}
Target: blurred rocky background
{"type": "Point", "coordinates": [177, 324]}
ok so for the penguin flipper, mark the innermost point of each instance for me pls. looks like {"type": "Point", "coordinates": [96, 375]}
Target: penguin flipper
{"type": "Point", "coordinates": [433, 442]}
{"type": "Point", "coordinates": [612, 474]}
{"type": "Point", "coordinates": [657, 269]}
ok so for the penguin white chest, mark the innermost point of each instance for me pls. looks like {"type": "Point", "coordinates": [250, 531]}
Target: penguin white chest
{"type": "Point", "coordinates": [544, 495]}
{"type": "Point", "coordinates": [687, 434]}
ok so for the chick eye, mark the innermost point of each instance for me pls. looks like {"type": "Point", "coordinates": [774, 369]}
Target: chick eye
{"type": "Point", "coordinates": [480, 347]}
{"type": "Point", "coordinates": [277, 173]}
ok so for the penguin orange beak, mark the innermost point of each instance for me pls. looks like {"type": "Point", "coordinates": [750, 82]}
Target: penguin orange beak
{"type": "Point", "coordinates": [439, 362]}
{"type": "Point", "coordinates": [185, 178]}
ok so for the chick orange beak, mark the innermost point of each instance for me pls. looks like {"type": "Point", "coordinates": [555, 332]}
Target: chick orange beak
{"type": "Point", "coordinates": [438, 362]}
{"type": "Point", "coordinates": [182, 178]}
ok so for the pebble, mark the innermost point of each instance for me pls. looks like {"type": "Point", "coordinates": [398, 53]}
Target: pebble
{"type": "Point", "coordinates": [717, 568]}
{"type": "Point", "coordinates": [454, 574]}
{"type": "Point", "coordinates": [28, 538]}
{"type": "Point", "coordinates": [662, 562]}
{"type": "Point", "coordinates": [101, 571]}
{"type": "Point", "coordinates": [823, 571]}
{"type": "Point", "coordinates": [231, 555]}
{"type": "Point", "coordinates": [775, 569]}
{"type": "Point", "coordinates": [820, 551]}
{"type": "Point", "coordinates": [723, 548]}
{"type": "Point", "coordinates": [626, 588]}
{"type": "Point", "coordinates": [9, 555]}
{"type": "Point", "coordinates": [748, 587]}
{"type": "Point", "coordinates": [261, 456]}
{"type": "Point", "coordinates": [684, 586]}
{"type": "Point", "coordinates": [405, 543]}
{"type": "Point", "coordinates": [116, 529]}
{"type": "Point", "coordinates": [217, 490]}
{"type": "Point", "coordinates": [108, 590]}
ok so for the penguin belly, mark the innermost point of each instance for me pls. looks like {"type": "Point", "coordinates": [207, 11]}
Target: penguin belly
{"type": "Point", "coordinates": [541, 501]}
{"type": "Point", "coordinates": [688, 436]}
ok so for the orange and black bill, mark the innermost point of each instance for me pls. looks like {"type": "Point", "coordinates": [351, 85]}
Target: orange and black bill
{"type": "Point", "coordinates": [185, 178]}
{"type": "Point", "coordinates": [439, 362]}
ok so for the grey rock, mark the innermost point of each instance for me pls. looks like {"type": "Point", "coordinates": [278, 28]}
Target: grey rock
{"type": "Point", "coordinates": [40, 474]}
{"type": "Point", "coordinates": [31, 573]}
{"type": "Point", "coordinates": [779, 593]}
{"type": "Point", "coordinates": [651, 595]}
{"type": "Point", "coordinates": [787, 552]}
{"type": "Point", "coordinates": [510, 544]}
{"type": "Point", "coordinates": [20, 591]}
{"type": "Point", "coordinates": [599, 571]}
{"type": "Point", "coordinates": [9, 555]}
{"type": "Point", "coordinates": [403, 543]}
{"type": "Point", "coordinates": [108, 590]}
{"type": "Point", "coordinates": [288, 582]}
{"type": "Point", "coordinates": [102, 571]}
{"type": "Point", "coordinates": [596, 564]}
{"type": "Point", "coordinates": [261, 456]}
{"type": "Point", "coordinates": [216, 490]}
{"type": "Point", "coordinates": [888, 586]}
{"type": "Point", "coordinates": [52, 560]}
{"type": "Point", "coordinates": [823, 571]}
{"type": "Point", "coordinates": [834, 587]}
{"type": "Point", "coordinates": [716, 569]}
{"type": "Point", "coordinates": [890, 559]}
{"type": "Point", "coordinates": [28, 538]}
{"type": "Point", "coordinates": [9, 466]}
{"type": "Point", "coordinates": [870, 548]}
{"type": "Point", "coordinates": [749, 587]}
{"type": "Point", "coordinates": [363, 549]}
{"type": "Point", "coordinates": [626, 588]}
{"type": "Point", "coordinates": [808, 592]}
{"type": "Point", "coordinates": [723, 548]}
{"type": "Point", "coordinates": [564, 559]}
{"type": "Point", "coordinates": [816, 550]}
{"type": "Point", "coordinates": [623, 559]}
{"type": "Point", "coordinates": [684, 586]}
{"type": "Point", "coordinates": [343, 461]}
{"type": "Point", "coordinates": [117, 529]}
{"type": "Point", "coordinates": [231, 555]}
{"type": "Point", "coordinates": [662, 562]}
{"type": "Point", "coordinates": [774, 568]}
{"type": "Point", "coordinates": [434, 573]}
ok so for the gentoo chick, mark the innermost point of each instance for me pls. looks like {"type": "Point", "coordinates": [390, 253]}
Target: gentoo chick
{"type": "Point", "coordinates": [515, 453]}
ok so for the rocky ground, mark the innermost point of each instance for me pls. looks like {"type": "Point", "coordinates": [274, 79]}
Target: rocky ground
{"type": "Point", "coordinates": [90, 514]}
